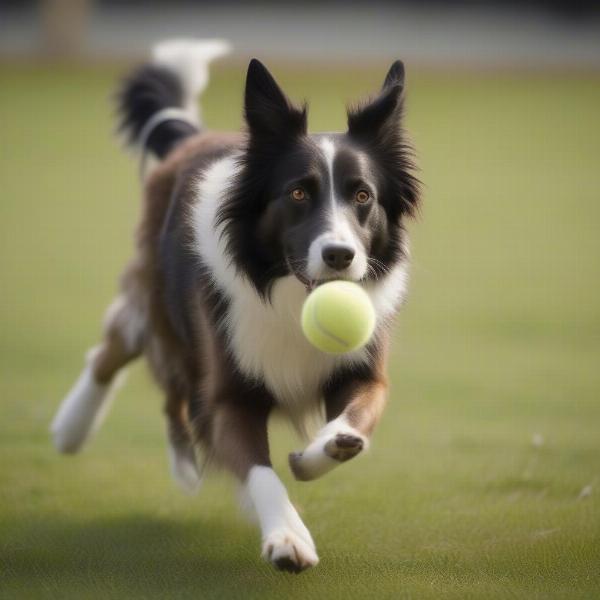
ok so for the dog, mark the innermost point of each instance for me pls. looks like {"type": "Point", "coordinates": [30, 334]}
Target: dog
{"type": "Point", "coordinates": [236, 228]}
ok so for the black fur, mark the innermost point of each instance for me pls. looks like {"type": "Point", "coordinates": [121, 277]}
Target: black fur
{"type": "Point", "coordinates": [269, 114]}
{"type": "Point", "coordinates": [274, 125]}
{"type": "Point", "coordinates": [376, 126]}
{"type": "Point", "coordinates": [146, 91]}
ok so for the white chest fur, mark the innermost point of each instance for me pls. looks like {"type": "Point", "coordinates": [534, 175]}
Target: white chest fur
{"type": "Point", "coordinates": [266, 338]}
{"type": "Point", "coordinates": [269, 344]}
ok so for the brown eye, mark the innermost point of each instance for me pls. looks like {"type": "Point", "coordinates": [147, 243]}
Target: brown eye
{"type": "Point", "coordinates": [298, 195]}
{"type": "Point", "coordinates": [362, 196]}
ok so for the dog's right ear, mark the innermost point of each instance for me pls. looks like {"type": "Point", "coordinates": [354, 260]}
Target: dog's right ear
{"type": "Point", "coordinates": [267, 109]}
{"type": "Point", "coordinates": [395, 76]}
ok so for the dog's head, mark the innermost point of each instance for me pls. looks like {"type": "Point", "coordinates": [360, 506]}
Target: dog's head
{"type": "Point", "coordinates": [320, 206]}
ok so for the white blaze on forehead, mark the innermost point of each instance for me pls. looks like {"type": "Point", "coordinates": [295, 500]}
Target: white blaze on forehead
{"type": "Point", "coordinates": [328, 148]}
{"type": "Point", "coordinates": [338, 228]}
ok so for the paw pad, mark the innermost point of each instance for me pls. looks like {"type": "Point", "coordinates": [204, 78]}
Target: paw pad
{"type": "Point", "coordinates": [344, 446]}
{"type": "Point", "coordinates": [287, 551]}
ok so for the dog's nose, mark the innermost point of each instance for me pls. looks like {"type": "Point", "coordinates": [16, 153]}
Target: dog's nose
{"type": "Point", "coordinates": [338, 256]}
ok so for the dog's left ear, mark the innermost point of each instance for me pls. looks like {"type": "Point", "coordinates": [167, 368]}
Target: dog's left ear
{"type": "Point", "coordinates": [368, 120]}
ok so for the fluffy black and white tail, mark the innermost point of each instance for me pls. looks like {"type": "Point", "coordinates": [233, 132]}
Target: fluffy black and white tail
{"type": "Point", "coordinates": [158, 102]}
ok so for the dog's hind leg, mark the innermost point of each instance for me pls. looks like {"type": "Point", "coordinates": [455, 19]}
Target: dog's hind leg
{"type": "Point", "coordinates": [182, 450]}
{"type": "Point", "coordinates": [83, 409]}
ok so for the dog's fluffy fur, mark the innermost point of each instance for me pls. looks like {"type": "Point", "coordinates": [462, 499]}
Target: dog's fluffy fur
{"type": "Point", "coordinates": [235, 229]}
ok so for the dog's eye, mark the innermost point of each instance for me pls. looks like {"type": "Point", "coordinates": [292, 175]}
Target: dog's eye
{"type": "Point", "coordinates": [298, 195]}
{"type": "Point", "coordinates": [362, 196]}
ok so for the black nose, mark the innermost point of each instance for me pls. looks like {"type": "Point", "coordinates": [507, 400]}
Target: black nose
{"type": "Point", "coordinates": [338, 256]}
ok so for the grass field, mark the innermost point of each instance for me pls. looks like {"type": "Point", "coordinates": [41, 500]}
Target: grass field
{"type": "Point", "coordinates": [484, 476]}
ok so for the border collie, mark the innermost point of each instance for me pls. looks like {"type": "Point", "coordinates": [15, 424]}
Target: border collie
{"type": "Point", "coordinates": [235, 229]}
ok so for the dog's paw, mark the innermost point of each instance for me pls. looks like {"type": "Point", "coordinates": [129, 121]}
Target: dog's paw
{"type": "Point", "coordinates": [184, 467]}
{"type": "Point", "coordinates": [297, 466]}
{"type": "Point", "coordinates": [325, 453]}
{"type": "Point", "coordinates": [185, 473]}
{"type": "Point", "coordinates": [344, 446]}
{"type": "Point", "coordinates": [288, 551]}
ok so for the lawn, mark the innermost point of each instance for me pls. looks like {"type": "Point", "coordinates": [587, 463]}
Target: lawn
{"type": "Point", "coordinates": [484, 477]}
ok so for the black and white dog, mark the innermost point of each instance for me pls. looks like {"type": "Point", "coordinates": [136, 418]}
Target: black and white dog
{"type": "Point", "coordinates": [235, 229]}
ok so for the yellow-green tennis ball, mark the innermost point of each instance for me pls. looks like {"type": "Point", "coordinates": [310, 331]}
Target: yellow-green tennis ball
{"type": "Point", "coordinates": [338, 317]}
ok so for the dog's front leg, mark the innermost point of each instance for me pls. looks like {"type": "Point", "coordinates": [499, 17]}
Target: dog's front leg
{"type": "Point", "coordinates": [354, 407]}
{"type": "Point", "coordinates": [286, 542]}
{"type": "Point", "coordinates": [239, 441]}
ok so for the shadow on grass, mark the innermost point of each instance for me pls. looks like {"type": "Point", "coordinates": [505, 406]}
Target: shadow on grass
{"type": "Point", "coordinates": [143, 556]}
{"type": "Point", "coordinates": [131, 556]}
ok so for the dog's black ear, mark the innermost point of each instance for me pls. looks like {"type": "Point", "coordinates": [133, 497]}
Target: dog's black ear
{"type": "Point", "coordinates": [377, 125]}
{"type": "Point", "coordinates": [267, 109]}
{"type": "Point", "coordinates": [368, 120]}
{"type": "Point", "coordinates": [395, 75]}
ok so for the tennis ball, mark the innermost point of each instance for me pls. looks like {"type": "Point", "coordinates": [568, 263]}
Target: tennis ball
{"type": "Point", "coordinates": [338, 317]}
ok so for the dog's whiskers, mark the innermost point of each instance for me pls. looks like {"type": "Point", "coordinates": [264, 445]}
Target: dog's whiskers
{"type": "Point", "coordinates": [372, 263]}
{"type": "Point", "coordinates": [372, 271]}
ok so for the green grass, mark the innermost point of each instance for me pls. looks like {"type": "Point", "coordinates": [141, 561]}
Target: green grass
{"type": "Point", "coordinates": [500, 341]}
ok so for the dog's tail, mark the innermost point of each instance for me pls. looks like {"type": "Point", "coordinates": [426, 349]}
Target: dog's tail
{"type": "Point", "coordinates": [158, 102]}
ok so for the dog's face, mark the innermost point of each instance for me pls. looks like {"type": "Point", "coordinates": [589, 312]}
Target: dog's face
{"type": "Point", "coordinates": [322, 206]}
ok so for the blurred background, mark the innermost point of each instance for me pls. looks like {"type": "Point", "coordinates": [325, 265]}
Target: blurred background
{"type": "Point", "coordinates": [528, 33]}
{"type": "Point", "coordinates": [483, 480]}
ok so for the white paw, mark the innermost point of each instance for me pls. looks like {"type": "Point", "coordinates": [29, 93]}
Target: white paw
{"type": "Point", "coordinates": [287, 543]}
{"type": "Point", "coordinates": [335, 444]}
{"type": "Point", "coordinates": [185, 469]}
{"type": "Point", "coordinates": [81, 413]}
{"type": "Point", "coordinates": [286, 550]}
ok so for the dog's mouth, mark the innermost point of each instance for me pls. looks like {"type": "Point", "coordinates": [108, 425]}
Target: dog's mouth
{"type": "Point", "coordinates": [307, 282]}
